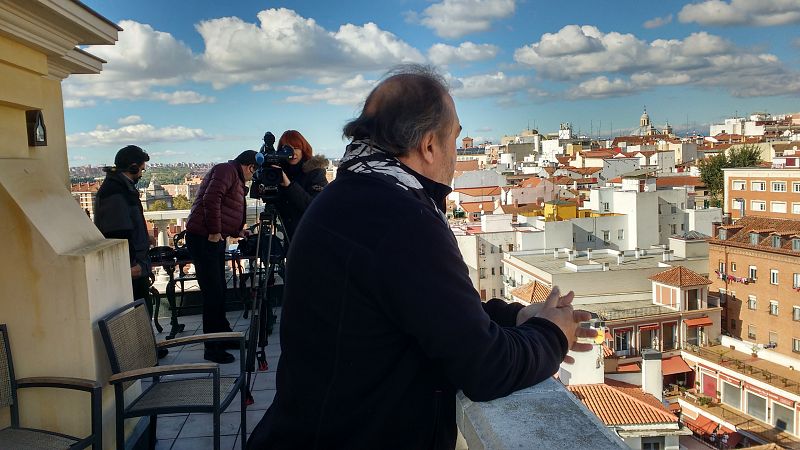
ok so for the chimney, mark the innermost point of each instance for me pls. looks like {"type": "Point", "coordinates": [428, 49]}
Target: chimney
{"type": "Point", "coordinates": [652, 379]}
{"type": "Point", "coordinates": [570, 254]}
{"type": "Point", "coordinates": [620, 258]}
{"type": "Point", "coordinates": [715, 229]}
{"type": "Point", "coordinates": [638, 253]}
{"type": "Point", "coordinates": [555, 253]}
{"type": "Point", "coordinates": [605, 267]}
{"type": "Point", "coordinates": [588, 254]}
{"type": "Point", "coordinates": [666, 255]}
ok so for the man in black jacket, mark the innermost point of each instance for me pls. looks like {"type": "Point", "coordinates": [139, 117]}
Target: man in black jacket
{"type": "Point", "coordinates": [381, 324]}
{"type": "Point", "coordinates": [118, 214]}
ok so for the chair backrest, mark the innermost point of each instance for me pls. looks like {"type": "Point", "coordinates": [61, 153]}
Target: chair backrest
{"type": "Point", "coordinates": [7, 383]}
{"type": "Point", "coordinates": [128, 337]}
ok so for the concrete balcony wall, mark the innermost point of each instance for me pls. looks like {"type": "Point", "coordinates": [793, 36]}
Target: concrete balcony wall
{"type": "Point", "coordinates": [543, 416]}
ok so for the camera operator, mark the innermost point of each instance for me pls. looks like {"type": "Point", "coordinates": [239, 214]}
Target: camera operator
{"type": "Point", "coordinates": [218, 212]}
{"type": "Point", "coordinates": [303, 179]}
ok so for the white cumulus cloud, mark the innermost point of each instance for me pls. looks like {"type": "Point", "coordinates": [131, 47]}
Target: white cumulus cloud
{"type": "Point", "coordinates": [489, 85]}
{"type": "Point", "coordinates": [453, 19]}
{"type": "Point", "coordinates": [284, 45]}
{"type": "Point", "coordinates": [143, 65]}
{"type": "Point", "coordinates": [129, 120]}
{"type": "Point", "coordinates": [139, 134]}
{"type": "Point", "coordinates": [658, 22]}
{"type": "Point", "coordinates": [351, 92]}
{"type": "Point", "coordinates": [599, 64]}
{"type": "Point", "coordinates": [742, 12]}
{"type": "Point", "coordinates": [443, 54]}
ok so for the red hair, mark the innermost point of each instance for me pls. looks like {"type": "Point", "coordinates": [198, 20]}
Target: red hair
{"type": "Point", "coordinates": [296, 140]}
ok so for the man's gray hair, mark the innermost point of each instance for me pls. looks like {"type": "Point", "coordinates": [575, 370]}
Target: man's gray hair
{"type": "Point", "coordinates": [410, 102]}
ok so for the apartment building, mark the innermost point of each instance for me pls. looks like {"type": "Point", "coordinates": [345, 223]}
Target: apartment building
{"type": "Point", "coordinates": [757, 275]}
{"type": "Point", "coordinates": [762, 192]}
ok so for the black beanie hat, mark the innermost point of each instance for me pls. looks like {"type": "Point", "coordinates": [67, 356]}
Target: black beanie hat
{"type": "Point", "coordinates": [247, 158]}
{"type": "Point", "coordinates": [130, 155]}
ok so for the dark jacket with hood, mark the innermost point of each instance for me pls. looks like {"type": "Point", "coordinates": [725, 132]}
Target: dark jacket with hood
{"type": "Point", "coordinates": [306, 181]}
{"type": "Point", "coordinates": [381, 326]}
{"type": "Point", "coordinates": [220, 203]}
{"type": "Point", "coordinates": [118, 214]}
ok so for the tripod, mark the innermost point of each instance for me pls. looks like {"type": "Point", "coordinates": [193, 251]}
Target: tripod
{"type": "Point", "coordinates": [260, 310]}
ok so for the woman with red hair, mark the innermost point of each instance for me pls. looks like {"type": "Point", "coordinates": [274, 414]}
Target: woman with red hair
{"type": "Point", "coordinates": [303, 179]}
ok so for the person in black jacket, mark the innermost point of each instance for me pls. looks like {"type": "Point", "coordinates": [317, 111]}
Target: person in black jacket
{"type": "Point", "coordinates": [118, 214]}
{"type": "Point", "coordinates": [381, 324]}
{"type": "Point", "coordinates": [303, 179]}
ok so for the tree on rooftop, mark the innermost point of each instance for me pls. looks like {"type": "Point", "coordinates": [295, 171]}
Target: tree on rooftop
{"type": "Point", "coordinates": [711, 174]}
{"type": "Point", "coordinates": [158, 205]}
{"type": "Point", "coordinates": [181, 202]}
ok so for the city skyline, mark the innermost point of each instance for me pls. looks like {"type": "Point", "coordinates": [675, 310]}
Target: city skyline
{"type": "Point", "coordinates": [203, 83]}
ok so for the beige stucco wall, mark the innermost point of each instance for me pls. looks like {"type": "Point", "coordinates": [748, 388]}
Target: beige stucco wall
{"type": "Point", "coordinates": [57, 274]}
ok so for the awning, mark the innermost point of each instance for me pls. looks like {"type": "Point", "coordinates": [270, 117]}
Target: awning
{"type": "Point", "coordinates": [630, 367]}
{"type": "Point", "coordinates": [608, 336]}
{"type": "Point", "coordinates": [698, 322]}
{"type": "Point", "coordinates": [649, 327]}
{"type": "Point", "coordinates": [623, 330]}
{"type": "Point", "coordinates": [733, 437]}
{"type": "Point", "coordinates": [674, 364]}
{"type": "Point", "coordinates": [702, 425]}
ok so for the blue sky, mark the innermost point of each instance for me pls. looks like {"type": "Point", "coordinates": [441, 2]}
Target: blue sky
{"type": "Point", "coordinates": [202, 80]}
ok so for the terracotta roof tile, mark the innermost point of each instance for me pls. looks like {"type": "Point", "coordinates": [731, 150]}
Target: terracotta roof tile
{"type": "Point", "coordinates": [616, 405]}
{"type": "Point", "coordinates": [761, 225]}
{"type": "Point", "coordinates": [474, 207]}
{"type": "Point", "coordinates": [466, 166]}
{"type": "Point", "coordinates": [533, 292]}
{"type": "Point", "coordinates": [680, 180]}
{"type": "Point", "coordinates": [681, 277]}
{"type": "Point", "coordinates": [531, 182]}
{"type": "Point", "coordinates": [480, 191]}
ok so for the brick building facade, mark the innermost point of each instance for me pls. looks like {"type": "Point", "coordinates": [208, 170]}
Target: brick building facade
{"type": "Point", "coordinates": [756, 262]}
{"type": "Point", "coordinates": [763, 192]}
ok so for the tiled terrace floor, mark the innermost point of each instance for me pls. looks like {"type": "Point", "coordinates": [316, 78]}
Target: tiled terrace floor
{"type": "Point", "coordinates": [194, 431]}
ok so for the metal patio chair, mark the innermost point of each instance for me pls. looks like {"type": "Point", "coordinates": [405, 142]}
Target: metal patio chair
{"type": "Point", "coordinates": [131, 347]}
{"type": "Point", "coordinates": [20, 438]}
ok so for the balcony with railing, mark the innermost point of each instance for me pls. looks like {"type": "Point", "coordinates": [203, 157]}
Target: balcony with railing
{"type": "Point", "coordinates": [759, 369]}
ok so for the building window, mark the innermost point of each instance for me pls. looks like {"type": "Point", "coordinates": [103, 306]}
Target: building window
{"type": "Point", "coordinates": [752, 303]}
{"type": "Point", "coordinates": [753, 273]}
{"type": "Point", "coordinates": [751, 331]}
{"type": "Point", "coordinates": [494, 293]}
{"type": "Point", "coordinates": [795, 208]}
{"type": "Point", "coordinates": [731, 395]}
{"type": "Point", "coordinates": [621, 235]}
{"type": "Point", "coordinates": [776, 241]}
{"type": "Point", "coordinates": [778, 186]}
{"type": "Point", "coordinates": [606, 207]}
{"type": "Point", "coordinates": [783, 417]}
{"type": "Point", "coordinates": [501, 270]}
{"type": "Point", "coordinates": [673, 228]}
{"type": "Point", "coordinates": [511, 247]}
{"type": "Point", "coordinates": [758, 205]}
{"type": "Point", "coordinates": [492, 270]}
{"type": "Point", "coordinates": [796, 345]}
{"type": "Point", "coordinates": [795, 280]}
{"type": "Point", "coordinates": [482, 250]}
{"type": "Point", "coordinates": [739, 185]}
{"type": "Point", "coordinates": [796, 244]}
{"type": "Point", "coordinates": [682, 228]}
{"type": "Point", "coordinates": [757, 406]}
{"type": "Point", "coordinates": [737, 205]}
{"type": "Point", "coordinates": [773, 338]}
{"type": "Point", "coordinates": [796, 187]}
{"type": "Point", "coordinates": [590, 238]}
{"type": "Point", "coordinates": [606, 235]}
{"type": "Point", "coordinates": [622, 341]}
{"type": "Point", "coordinates": [723, 234]}
{"type": "Point", "coordinates": [773, 276]}
{"type": "Point", "coordinates": [721, 267]}
{"type": "Point", "coordinates": [482, 272]}
{"type": "Point", "coordinates": [758, 186]}
{"type": "Point", "coordinates": [778, 207]}
{"type": "Point", "coordinates": [796, 313]}
{"type": "Point", "coordinates": [773, 307]}
{"type": "Point", "coordinates": [755, 238]}
{"type": "Point", "coordinates": [733, 267]}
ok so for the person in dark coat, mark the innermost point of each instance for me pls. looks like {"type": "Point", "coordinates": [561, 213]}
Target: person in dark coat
{"type": "Point", "coordinates": [303, 179]}
{"type": "Point", "coordinates": [118, 214]}
{"type": "Point", "coordinates": [218, 212]}
{"type": "Point", "coordinates": [381, 324]}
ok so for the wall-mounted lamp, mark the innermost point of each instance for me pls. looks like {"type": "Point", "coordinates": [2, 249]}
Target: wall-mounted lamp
{"type": "Point", "coordinates": [37, 131]}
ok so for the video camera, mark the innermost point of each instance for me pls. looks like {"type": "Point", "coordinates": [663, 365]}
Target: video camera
{"type": "Point", "coordinates": [267, 178]}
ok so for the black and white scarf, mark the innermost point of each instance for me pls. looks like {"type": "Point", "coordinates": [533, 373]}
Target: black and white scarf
{"type": "Point", "coordinates": [364, 157]}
